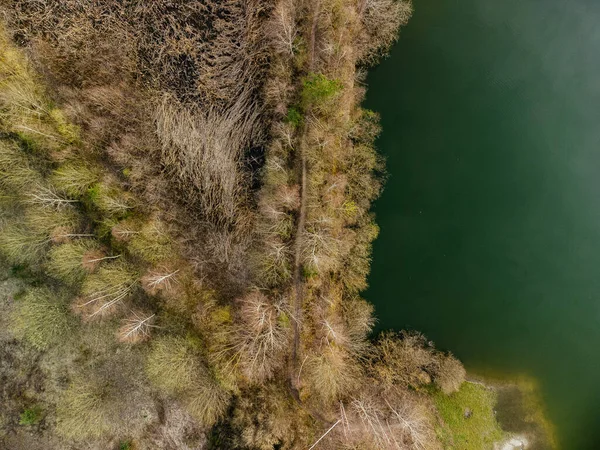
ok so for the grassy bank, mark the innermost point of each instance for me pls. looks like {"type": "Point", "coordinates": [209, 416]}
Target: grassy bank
{"type": "Point", "coordinates": [469, 419]}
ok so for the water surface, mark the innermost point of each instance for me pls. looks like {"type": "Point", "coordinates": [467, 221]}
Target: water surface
{"type": "Point", "coordinates": [490, 221]}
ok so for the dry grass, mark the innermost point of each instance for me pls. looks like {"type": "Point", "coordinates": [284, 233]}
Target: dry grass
{"type": "Point", "coordinates": [205, 150]}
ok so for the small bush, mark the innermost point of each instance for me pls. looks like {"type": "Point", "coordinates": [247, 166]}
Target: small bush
{"type": "Point", "coordinates": [31, 416]}
{"type": "Point", "coordinates": [294, 117]}
{"type": "Point", "coordinates": [152, 243]}
{"type": "Point", "coordinates": [41, 318]}
{"type": "Point", "coordinates": [74, 178]}
{"type": "Point", "coordinates": [125, 445]}
{"type": "Point", "coordinates": [317, 89]}
{"type": "Point", "coordinates": [67, 262]}
{"type": "Point", "coordinates": [449, 374]}
{"type": "Point", "coordinates": [21, 245]}
{"type": "Point", "coordinates": [103, 291]}
{"type": "Point", "coordinates": [110, 199]}
{"type": "Point", "coordinates": [174, 365]}
{"type": "Point", "coordinates": [82, 411]}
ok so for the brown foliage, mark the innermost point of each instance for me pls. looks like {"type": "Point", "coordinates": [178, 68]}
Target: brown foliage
{"type": "Point", "coordinates": [261, 336]}
{"type": "Point", "coordinates": [381, 20]}
{"type": "Point", "coordinates": [390, 420]}
{"type": "Point", "coordinates": [408, 359]}
{"type": "Point", "coordinates": [136, 328]}
{"type": "Point", "coordinates": [449, 374]}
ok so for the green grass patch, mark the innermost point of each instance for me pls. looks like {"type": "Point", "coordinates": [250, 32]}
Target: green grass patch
{"type": "Point", "coordinates": [294, 117]}
{"type": "Point", "coordinates": [317, 89]}
{"type": "Point", "coordinates": [480, 429]}
{"type": "Point", "coordinates": [31, 416]}
{"type": "Point", "coordinates": [125, 445]}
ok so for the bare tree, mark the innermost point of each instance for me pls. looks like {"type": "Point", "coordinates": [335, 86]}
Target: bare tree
{"type": "Point", "coordinates": [47, 197]}
{"type": "Point", "coordinates": [260, 338]}
{"type": "Point", "coordinates": [136, 328]}
{"type": "Point", "coordinates": [282, 27]}
{"type": "Point", "coordinates": [160, 279]}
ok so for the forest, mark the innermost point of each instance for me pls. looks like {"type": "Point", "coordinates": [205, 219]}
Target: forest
{"type": "Point", "coordinates": [186, 230]}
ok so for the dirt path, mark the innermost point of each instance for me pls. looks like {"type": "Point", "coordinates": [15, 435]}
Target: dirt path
{"type": "Point", "coordinates": [298, 285]}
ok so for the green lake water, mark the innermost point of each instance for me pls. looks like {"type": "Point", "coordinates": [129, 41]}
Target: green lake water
{"type": "Point", "coordinates": [490, 220]}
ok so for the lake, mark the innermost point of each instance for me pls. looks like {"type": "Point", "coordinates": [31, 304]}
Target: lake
{"type": "Point", "coordinates": [490, 220]}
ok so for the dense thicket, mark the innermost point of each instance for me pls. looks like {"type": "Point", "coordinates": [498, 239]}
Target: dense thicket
{"type": "Point", "coordinates": [187, 187]}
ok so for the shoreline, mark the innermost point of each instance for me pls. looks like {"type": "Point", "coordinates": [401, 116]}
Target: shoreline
{"type": "Point", "coordinates": [519, 411]}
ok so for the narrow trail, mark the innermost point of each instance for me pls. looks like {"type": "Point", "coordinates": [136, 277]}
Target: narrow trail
{"type": "Point", "coordinates": [298, 285]}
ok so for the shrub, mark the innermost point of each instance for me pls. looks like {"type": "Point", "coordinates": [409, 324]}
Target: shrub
{"type": "Point", "coordinates": [175, 366]}
{"type": "Point", "coordinates": [152, 242]}
{"type": "Point", "coordinates": [104, 290]}
{"type": "Point", "coordinates": [404, 359]}
{"type": "Point", "coordinates": [318, 89]}
{"type": "Point", "coordinates": [381, 21]}
{"type": "Point", "coordinates": [207, 402]}
{"type": "Point", "coordinates": [110, 199]}
{"type": "Point", "coordinates": [24, 106]}
{"type": "Point", "coordinates": [74, 178]}
{"type": "Point", "coordinates": [67, 131]}
{"type": "Point", "coordinates": [294, 117]}
{"type": "Point", "coordinates": [31, 416]}
{"type": "Point", "coordinates": [21, 245]}
{"type": "Point", "coordinates": [266, 415]}
{"type": "Point", "coordinates": [358, 260]}
{"type": "Point", "coordinates": [261, 337]}
{"type": "Point", "coordinates": [69, 262]}
{"type": "Point", "coordinates": [41, 318]}
{"type": "Point", "coordinates": [273, 262]}
{"type": "Point", "coordinates": [380, 420]}
{"type": "Point", "coordinates": [449, 374]}
{"type": "Point", "coordinates": [16, 174]}
{"type": "Point", "coordinates": [331, 374]}
{"type": "Point", "coordinates": [83, 411]}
